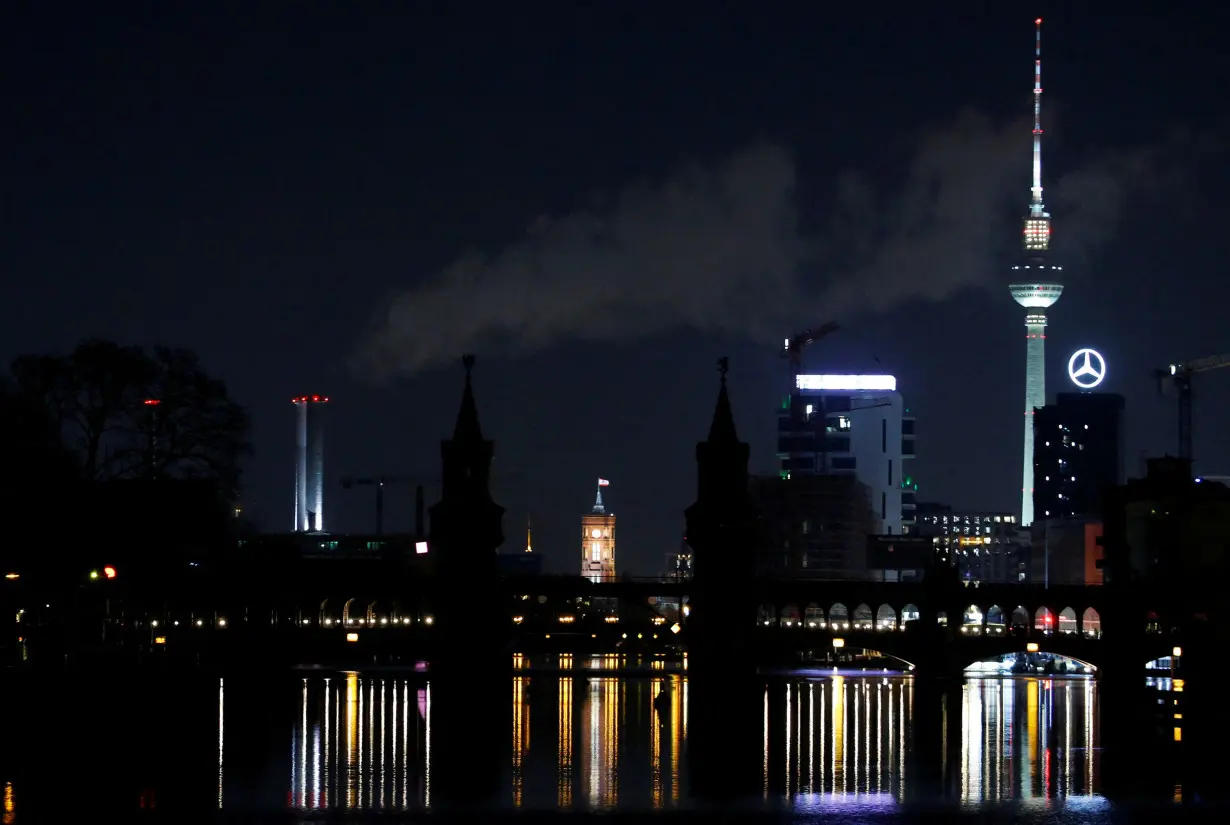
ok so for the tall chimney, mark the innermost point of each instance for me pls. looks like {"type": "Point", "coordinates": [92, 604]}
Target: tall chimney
{"type": "Point", "coordinates": [310, 464]}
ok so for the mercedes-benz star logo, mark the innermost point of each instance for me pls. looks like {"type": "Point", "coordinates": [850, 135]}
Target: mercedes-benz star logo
{"type": "Point", "coordinates": [1087, 368]}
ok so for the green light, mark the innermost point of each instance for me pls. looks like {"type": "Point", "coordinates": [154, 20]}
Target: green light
{"type": "Point", "coordinates": [93, 574]}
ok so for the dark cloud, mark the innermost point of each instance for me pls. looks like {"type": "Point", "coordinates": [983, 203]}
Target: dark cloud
{"type": "Point", "coordinates": [721, 249]}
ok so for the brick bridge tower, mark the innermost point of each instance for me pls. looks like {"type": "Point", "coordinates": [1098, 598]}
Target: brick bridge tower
{"type": "Point", "coordinates": [470, 618]}
{"type": "Point", "coordinates": [724, 731]}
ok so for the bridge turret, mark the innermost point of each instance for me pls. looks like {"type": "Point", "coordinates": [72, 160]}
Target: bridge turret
{"type": "Point", "coordinates": [722, 669]}
{"type": "Point", "coordinates": [471, 623]}
{"type": "Point", "coordinates": [721, 523]}
{"type": "Point", "coordinates": [466, 524]}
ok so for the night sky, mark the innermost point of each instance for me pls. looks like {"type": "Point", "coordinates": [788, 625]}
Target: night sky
{"type": "Point", "coordinates": [602, 202]}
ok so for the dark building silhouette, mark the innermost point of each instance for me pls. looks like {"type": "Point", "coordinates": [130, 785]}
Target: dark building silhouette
{"type": "Point", "coordinates": [1078, 454]}
{"type": "Point", "coordinates": [1167, 548]}
{"type": "Point", "coordinates": [813, 525]}
{"type": "Point", "coordinates": [1167, 525]}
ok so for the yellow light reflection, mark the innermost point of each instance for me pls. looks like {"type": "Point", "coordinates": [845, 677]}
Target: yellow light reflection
{"type": "Point", "coordinates": [10, 805]}
{"type": "Point", "coordinates": [352, 742]}
{"type": "Point", "coordinates": [679, 732]}
{"type": "Point", "coordinates": [655, 744]}
{"type": "Point", "coordinates": [564, 743]}
{"type": "Point", "coordinates": [520, 732]}
{"type": "Point", "coordinates": [837, 767]}
{"type": "Point", "coordinates": [1038, 748]}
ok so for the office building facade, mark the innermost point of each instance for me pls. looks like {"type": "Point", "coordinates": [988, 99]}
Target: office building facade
{"type": "Point", "coordinates": [851, 425]}
{"type": "Point", "coordinates": [1078, 454]}
{"type": "Point", "coordinates": [985, 546]}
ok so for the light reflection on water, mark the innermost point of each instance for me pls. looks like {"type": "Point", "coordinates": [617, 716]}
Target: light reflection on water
{"type": "Point", "coordinates": [603, 742]}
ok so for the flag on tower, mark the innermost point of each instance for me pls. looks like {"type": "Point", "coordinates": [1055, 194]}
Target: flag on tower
{"type": "Point", "coordinates": [602, 482]}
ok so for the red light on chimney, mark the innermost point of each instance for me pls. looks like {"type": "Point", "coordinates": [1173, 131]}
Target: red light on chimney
{"type": "Point", "coordinates": [152, 402]}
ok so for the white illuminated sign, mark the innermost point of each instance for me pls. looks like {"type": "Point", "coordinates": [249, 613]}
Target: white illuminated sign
{"type": "Point", "coordinates": [420, 547]}
{"type": "Point", "coordinates": [846, 382]}
{"type": "Point", "coordinates": [1087, 368]}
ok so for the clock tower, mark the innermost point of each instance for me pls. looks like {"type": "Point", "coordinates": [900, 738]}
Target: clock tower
{"type": "Point", "coordinates": [598, 541]}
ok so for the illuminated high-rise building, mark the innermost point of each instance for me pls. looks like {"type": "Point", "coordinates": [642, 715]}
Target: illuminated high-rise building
{"type": "Point", "coordinates": [310, 464]}
{"type": "Point", "coordinates": [853, 425]}
{"type": "Point", "coordinates": [598, 540]}
{"type": "Point", "coordinates": [1036, 285]}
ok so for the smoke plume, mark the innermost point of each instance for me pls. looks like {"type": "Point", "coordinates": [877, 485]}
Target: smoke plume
{"type": "Point", "coordinates": [724, 249]}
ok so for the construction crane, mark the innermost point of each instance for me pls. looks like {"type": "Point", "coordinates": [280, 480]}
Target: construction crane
{"type": "Point", "coordinates": [1180, 377]}
{"type": "Point", "coordinates": [793, 350]}
{"type": "Point", "coordinates": [380, 482]}
{"type": "Point", "coordinates": [795, 345]}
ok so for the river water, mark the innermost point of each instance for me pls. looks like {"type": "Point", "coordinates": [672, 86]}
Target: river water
{"type": "Point", "coordinates": [835, 743]}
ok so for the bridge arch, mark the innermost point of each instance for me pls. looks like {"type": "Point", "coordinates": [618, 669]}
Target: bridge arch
{"type": "Point", "coordinates": [886, 618]}
{"type": "Point", "coordinates": [972, 619]}
{"type": "Point", "coordinates": [790, 615]}
{"type": "Point", "coordinates": [995, 619]}
{"type": "Point", "coordinates": [910, 613]}
{"type": "Point", "coordinates": [348, 617]}
{"type": "Point", "coordinates": [1091, 622]}
{"type": "Point", "coordinates": [839, 617]}
{"type": "Point", "coordinates": [1067, 621]}
{"type": "Point", "coordinates": [813, 615]}
{"type": "Point", "coordinates": [1020, 617]}
{"type": "Point", "coordinates": [863, 618]}
{"type": "Point", "coordinates": [1044, 620]}
{"type": "Point", "coordinates": [766, 615]}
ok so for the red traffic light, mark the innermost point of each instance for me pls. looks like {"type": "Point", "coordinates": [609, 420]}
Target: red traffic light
{"type": "Point", "coordinates": [109, 572]}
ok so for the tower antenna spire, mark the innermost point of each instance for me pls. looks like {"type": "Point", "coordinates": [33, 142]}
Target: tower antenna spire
{"type": "Point", "coordinates": [1036, 285]}
{"type": "Point", "coordinates": [1036, 209]}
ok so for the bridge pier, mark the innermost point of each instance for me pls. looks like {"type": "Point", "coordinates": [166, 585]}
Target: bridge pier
{"type": "Point", "coordinates": [939, 684]}
{"type": "Point", "coordinates": [1127, 710]}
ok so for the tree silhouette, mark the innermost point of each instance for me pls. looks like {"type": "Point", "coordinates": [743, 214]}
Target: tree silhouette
{"type": "Point", "coordinates": [124, 413]}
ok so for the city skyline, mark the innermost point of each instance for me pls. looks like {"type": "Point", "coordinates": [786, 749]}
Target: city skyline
{"type": "Point", "coordinates": [264, 234]}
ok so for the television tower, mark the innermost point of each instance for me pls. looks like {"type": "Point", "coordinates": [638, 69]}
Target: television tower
{"type": "Point", "coordinates": [1036, 286]}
